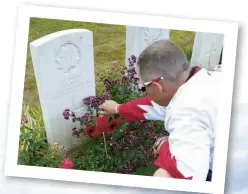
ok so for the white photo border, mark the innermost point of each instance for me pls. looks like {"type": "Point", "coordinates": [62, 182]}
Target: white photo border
{"type": "Point", "coordinates": [230, 31]}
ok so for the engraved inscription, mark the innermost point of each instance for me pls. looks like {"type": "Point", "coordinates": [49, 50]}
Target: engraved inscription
{"type": "Point", "coordinates": [72, 84]}
{"type": "Point", "coordinates": [67, 58]}
{"type": "Point", "coordinates": [67, 90]}
{"type": "Point", "coordinates": [152, 36]}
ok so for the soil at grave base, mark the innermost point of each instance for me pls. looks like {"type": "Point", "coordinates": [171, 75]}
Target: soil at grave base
{"type": "Point", "coordinates": [73, 152]}
{"type": "Point", "coordinates": [76, 151]}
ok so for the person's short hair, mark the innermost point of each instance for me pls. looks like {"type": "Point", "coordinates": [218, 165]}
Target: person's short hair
{"type": "Point", "coordinates": [162, 58]}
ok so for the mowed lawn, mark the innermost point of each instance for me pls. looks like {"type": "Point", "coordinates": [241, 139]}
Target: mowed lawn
{"type": "Point", "coordinates": [109, 45]}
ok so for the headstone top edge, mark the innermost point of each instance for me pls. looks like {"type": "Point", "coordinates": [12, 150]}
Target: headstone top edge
{"type": "Point", "coordinates": [57, 34]}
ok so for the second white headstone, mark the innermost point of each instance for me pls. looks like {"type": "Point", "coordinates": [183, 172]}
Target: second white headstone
{"type": "Point", "coordinates": [138, 38]}
{"type": "Point", "coordinates": [207, 50]}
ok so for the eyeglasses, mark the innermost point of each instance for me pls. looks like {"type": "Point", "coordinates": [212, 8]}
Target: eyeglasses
{"type": "Point", "coordinates": [143, 86]}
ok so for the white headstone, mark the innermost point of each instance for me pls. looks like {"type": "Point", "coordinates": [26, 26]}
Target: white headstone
{"type": "Point", "coordinates": [207, 50]}
{"type": "Point", "coordinates": [138, 38]}
{"type": "Point", "coordinates": [64, 70]}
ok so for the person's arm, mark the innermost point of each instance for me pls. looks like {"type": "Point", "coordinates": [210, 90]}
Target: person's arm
{"type": "Point", "coordinates": [186, 154]}
{"type": "Point", "coordinates": [141, 109]}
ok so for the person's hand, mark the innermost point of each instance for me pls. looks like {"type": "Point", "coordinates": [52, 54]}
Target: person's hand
{"type": "Point", "coordinates": [156, 150]}
{"type": "Point", "coordinates": [158, 144]}
{"type": "Point", "coordinates": [109, 107]}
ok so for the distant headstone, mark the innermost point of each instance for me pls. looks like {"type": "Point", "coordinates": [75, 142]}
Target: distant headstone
{"type": "Point", "coordinates": [207, 50]}
{"type": "Point", "coordinates": [64, 70]}
{"type": "Point", "coordinates": [138, 38]}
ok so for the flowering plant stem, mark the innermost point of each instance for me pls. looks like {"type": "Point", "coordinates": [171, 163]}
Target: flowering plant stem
{"type": "Point", "coordinates": [105, 144]}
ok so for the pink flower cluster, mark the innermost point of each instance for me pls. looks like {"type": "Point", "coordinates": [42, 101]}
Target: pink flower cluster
{"type": "Point", "coordinates": [66, 164]}
{"type": "Point", "coordinates": [24, 120]}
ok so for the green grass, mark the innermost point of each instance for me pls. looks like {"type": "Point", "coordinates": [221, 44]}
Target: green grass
{"type": "Point", "coordinates": [109, 45]}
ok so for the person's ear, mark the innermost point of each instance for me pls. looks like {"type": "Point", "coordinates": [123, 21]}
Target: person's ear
{"type": "Point", "coordinates": [158, 86]}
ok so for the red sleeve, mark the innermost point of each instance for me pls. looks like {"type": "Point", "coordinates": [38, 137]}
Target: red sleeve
{"type": "Point", "coordinates": [133, 111]}
{"type": "Point", "coordinates": [141, 109]}
{"type": "Point", "coordinates": [168, 162]}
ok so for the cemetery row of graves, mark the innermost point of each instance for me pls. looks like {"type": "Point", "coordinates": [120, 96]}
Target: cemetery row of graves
{"type": "Point", "coordinates": [70, 86]}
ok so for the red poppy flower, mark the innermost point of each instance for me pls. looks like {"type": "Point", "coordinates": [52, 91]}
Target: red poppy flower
{"type": "Point", "coordinates": [89, 130]}
{"type": "Point", "coordinates": [114, 124]}
{"type": "Point", "coordinates": [66, 163]}
{"type": "Point", "coordinates": [102, 126]}
{"type": "Point", "coordinates": [93, 131]}
{"type": "Point", "coordinates": [102, 123]}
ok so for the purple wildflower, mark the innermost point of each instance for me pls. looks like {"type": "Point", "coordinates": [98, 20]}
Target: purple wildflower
{"type": "Point", "coordinates": [75, 133]}
{"type": "Point", "coordinates": [133, 60]}
{"type": "Point", "coordinates": [91, 101]}
{"type": "Point", "coordinates": [66, 114]}
{"type": "Point", "coordinates": [132, 75]}
{"type": "Point", "coordinates": [85, 118]}
{"type": "Point", "coordinates": [133, 70]}
{"type": "Point", "coordinates": [85, 115]}
{"type": "Point", "coordinates": [24, 120]}
{"type": "Point", "coordinates": [125, 78]}
{"type": "Point", "coordinates": [106, 95]}
{"type": "Point", "coordinates": [107, 84]}
{"type": "Point", "coordinates": [106, 81]}
{"type": "Point", "coordinates": [73, 114]}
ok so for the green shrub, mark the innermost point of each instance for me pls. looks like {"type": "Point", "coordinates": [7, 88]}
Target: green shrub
{"type": "Point", "coordinates": [33, 140]}
{"type": "Point", "coordinates": [91, 156]}
{"type": "Point", "coordinates": [34, 149]}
